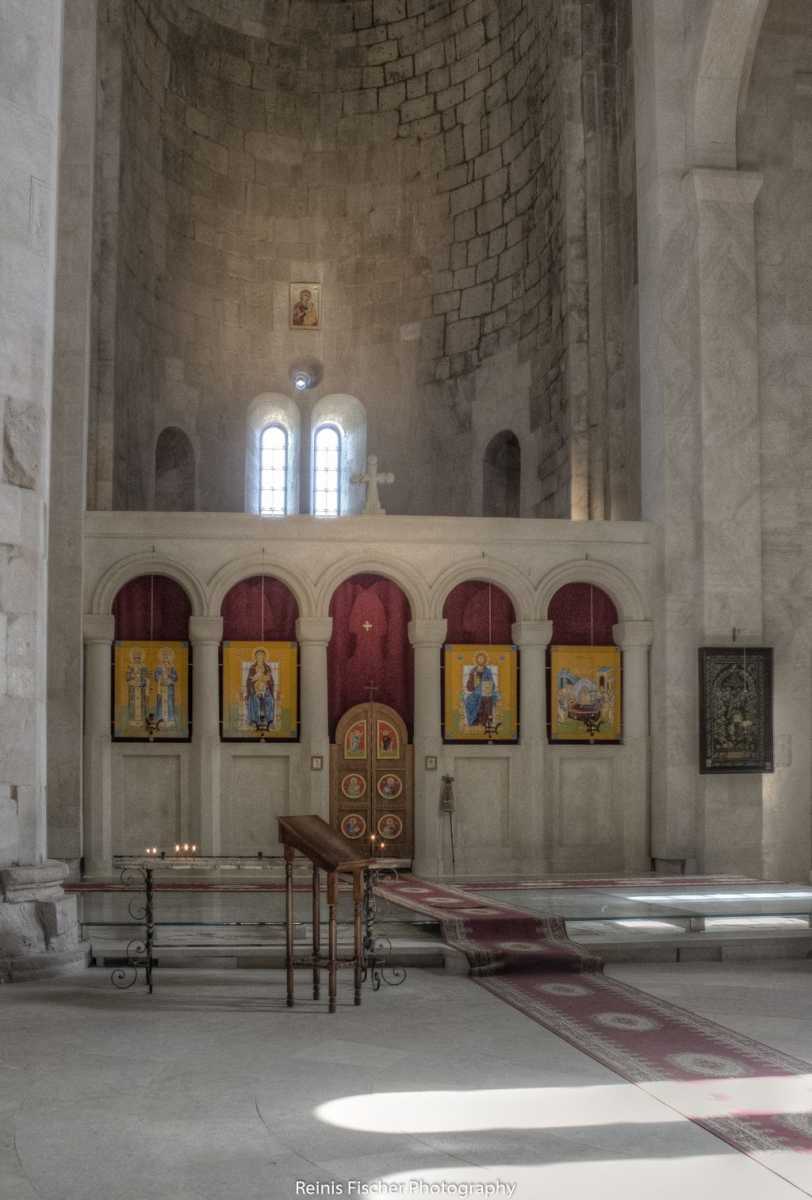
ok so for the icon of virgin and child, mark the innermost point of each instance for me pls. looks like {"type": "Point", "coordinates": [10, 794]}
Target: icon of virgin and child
{"type": "Point", "coordinates": [260, 692]}
{"type": "Point", "coordinates": [481, 692]}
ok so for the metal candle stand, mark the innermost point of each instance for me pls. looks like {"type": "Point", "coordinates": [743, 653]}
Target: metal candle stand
{"type": "Point", "coordinates": [378, 948]}
{"type": "Point", "coordinates": [139, 950]}
{"type": "Point", "coordinates": [370, 950]}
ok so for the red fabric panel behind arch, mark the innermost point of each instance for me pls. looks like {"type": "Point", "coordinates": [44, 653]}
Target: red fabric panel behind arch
{"type": "Point", "coordinates": [380, 654]}
{"type": "Point", "coordinates": [477, 611]}
{"type": "Point", "coordinates": [152, 608]}
{"type": "Point", "coordinates": [259, 609]}
{"type": "Point", "coordinates": [582, 615]}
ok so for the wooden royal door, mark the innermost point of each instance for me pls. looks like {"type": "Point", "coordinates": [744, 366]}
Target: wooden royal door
{"type": "Point", "coordinates": [371, 782]}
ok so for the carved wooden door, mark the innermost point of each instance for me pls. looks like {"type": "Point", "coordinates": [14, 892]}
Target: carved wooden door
{"type": "Point", "coordinates": [371, 790]}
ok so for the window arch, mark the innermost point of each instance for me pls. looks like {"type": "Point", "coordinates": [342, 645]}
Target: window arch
{"type": "Point", "coordinates": [327, 471]}
{"type": "Point", "coordinates": [347, 419]}
{"type": "Point", "coordinates": [502, 475]}
{"type": "Point", "coordinates": [174, 471]}
{"type": "Point", "coordinates": [273, 471]}
{"type": "Point", "coordinates": [272, 458]}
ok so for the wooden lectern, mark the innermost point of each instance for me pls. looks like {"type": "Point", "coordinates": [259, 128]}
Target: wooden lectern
{"type": "Point", "coordinates": [328, 851]}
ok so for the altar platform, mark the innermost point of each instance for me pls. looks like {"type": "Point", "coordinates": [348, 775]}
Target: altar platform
{"type": "Point", "coordinates": [239, 922]}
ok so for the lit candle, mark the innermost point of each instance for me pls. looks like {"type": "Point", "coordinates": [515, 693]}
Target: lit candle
{"type": "Point", "coordinates": [177, 849]}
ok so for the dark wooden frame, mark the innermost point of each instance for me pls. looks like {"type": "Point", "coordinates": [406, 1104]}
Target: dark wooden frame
{"type": "Point", "coordinates": [157, 738]}
{"type": "Point", "coordinates": [711, 759]}
{"type": "Point", "coordinates": [258, 741]}
{"type": "Point", "coordinates": [497, 741]}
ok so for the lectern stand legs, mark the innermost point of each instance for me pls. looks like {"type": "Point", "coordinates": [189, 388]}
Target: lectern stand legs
{"type": "Point", "coordinates": [289, 922]}
{"type": "Point", "coordinates": [316, 919]}
{"type": "Point", "coordinates": [332, 900]}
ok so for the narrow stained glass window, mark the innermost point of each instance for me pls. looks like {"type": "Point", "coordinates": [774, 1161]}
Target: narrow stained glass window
{"type": "Point", "coordinates": [273, 473]}
{"type": "Point", "coordinates": [326, 471]}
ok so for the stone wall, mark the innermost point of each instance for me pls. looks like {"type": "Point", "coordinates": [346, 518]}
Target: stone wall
{"type": "Point", "coordinates": [775, 138]}
{"type": "Point", "coordinates": [407, 154]}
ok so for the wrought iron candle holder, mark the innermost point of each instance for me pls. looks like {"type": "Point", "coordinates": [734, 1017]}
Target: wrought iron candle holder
{"type": "Point", "coordinates": [377, 948]}
{"type": "Point", "coordinates": [138, 954]}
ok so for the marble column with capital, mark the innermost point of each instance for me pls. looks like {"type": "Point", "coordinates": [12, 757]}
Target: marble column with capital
{"type": "Point", "coordinates": [313, 635]}
{"type": "Point", "coordinates": [427, 637]}
{"type": "Point", "coordinates": [206, 634]}
{"type": "Point", "coordinates": [635, 638]}
{"type": "Point", "coordinates": [99, 632]}
{"type": "Point", "coordinates": [533, 638]}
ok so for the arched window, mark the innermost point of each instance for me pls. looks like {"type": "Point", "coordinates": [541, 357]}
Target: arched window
{"type": "Point", "coordinates": [501, 492]}
{"type": "Point", "coordinates": [326, 471]}
{"type": "Point", "coordinates": [273, 471]}
{"type": "Point", "coordinates": [337, 455]}
{"type": "Point", "coordinates": [272, 456]}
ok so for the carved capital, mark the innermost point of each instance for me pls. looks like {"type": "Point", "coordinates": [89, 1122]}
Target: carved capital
{"type": "Point", "coordinates": [532, 633]}
{"type": "Point", "coordinates": [428, 633]}
{"type": "Point", "coordinates": [314, 630]}
{"type": "Point", "coordinates": [203, 630]}
{"type": "Point", "coordinates": [98, 628]}
{"type": "Point", "coordinates": [628, 634]}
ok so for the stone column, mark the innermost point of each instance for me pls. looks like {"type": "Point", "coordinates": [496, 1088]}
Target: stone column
{"type": "Point", "coordinates": [634, 638]}
{"type": "Point", "coordinates": [38, 928]}
{"type": "Point", "coordinates": [99, 632]}
{"type": "Point", "coordinates": [427, 637]}
{"type": "Point", "coordinates": [74, 297]}
{"type": "Point", "coordinates": [206, 634]}
{"type": "Point", "coordinates": [533, 638]}
{"type": "Point", "coordinates": [313, 635]}
{"type": "Point", "coordinates": [730, 813]}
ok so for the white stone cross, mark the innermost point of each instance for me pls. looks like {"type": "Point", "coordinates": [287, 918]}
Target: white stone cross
{"type": "Point", "coordinates": [373, 479]}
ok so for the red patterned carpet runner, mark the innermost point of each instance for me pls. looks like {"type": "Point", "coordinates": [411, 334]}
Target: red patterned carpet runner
{"type": "Point", "coordinates": [756, 1099]}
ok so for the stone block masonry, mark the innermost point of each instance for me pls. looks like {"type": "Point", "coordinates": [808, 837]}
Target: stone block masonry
{"type": "Point", "coordinates": [408, 155]}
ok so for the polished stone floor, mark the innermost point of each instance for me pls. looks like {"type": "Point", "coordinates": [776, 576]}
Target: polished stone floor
{"type": "Point", "coordinates": [212, 1090]}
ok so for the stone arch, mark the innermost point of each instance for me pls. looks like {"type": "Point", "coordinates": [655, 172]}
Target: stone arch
{"type": "Point", "coordinates": [399, 572]}
{"type": "Point", "coordinates": [622, 590]}
{"type": "Point", "coordinates": [246, 568]}
{"type": "Point", "coordinates": [725, 61]}
{"type": "Point", "coordinates": [504, 576]}
{"type": "Point", "coordinates": [175, 471]}
{"type": "Point", "coordinates": [114, 578]}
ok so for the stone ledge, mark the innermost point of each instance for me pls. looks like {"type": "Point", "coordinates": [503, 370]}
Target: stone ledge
{"type": "Point", "coordinates": [21, 968]}
{"type": "Point", "coordinates": [20, 884]}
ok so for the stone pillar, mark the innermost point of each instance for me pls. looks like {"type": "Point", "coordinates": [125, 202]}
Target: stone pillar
{"type": "Point", "coordinates": [533, 638]}
{"type": "Point", "coordinates": [38, 927]}
{"type": "Point", "coordinates": [729, 398]}
{"type": "Point", "coordinates": [74, 302]}
{"type": "Point", "coordinates": [730, 816]}
{"type": "Point", "coordinates": [99, 633]}
{"type": "Point", "coordinates": [427, 637]}
{"type": "Point", "coordinates": [634, 638]}
{"type": "Point", "coordinates": [313, 635]}
{"type": "Point", "coordinates": [206, 634]}
{"type": "Point", "coordinates": [671, 434]}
